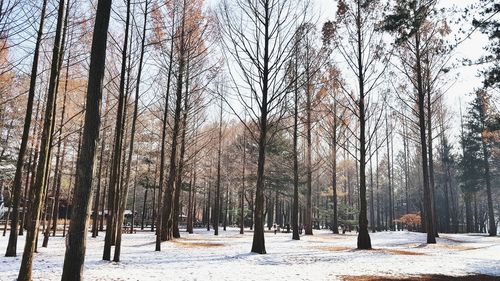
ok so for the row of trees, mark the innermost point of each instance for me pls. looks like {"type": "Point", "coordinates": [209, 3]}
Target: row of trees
{"type": "Point", "coordinates": [340, 126]}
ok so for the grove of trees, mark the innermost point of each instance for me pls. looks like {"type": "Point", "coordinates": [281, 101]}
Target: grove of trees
{"type": "Point", "coordinates": [165, 116]}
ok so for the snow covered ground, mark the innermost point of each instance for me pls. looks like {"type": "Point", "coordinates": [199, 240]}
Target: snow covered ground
{"type": "Point", "coordinates": [324, 256]}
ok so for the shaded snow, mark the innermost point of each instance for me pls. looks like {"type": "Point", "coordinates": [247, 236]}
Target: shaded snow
{"type": "Point", "coordinates": [324, 256]}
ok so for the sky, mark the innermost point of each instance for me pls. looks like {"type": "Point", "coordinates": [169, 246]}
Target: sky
{"type": "Point", "coordinates": [462, 80]}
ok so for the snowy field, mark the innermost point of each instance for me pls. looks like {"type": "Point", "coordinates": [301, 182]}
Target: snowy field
{"type": "Point", "coordinates": [324, 256]}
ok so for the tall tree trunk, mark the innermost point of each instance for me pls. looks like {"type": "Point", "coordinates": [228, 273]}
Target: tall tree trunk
{"type": "Point", "coordinates": [61, 126]}
{"type": "Point", "coordinates": [295, 205]}
{"type": "Point", "coordinates": [8, 211]}
{"type": "Point", "coordinates": [226, 208]}
{"type": "Point", "coordinates": [72, 177]}
{"type": "Point", "coordinates": [159, 214]}
{"type": "Point", "coordinates": [30, 167]}
{"type": "Point", "coordinates": [208, 209]}
{"type": "Point", "coordinates": [95, 216]}
{"type": "Point", "coordinates": [138, 83]}
{"type": "Point", "coordinates": [75, 247]}
{"type": "Point", "coordinates": [335, 224]}
{"type": "Point", "coordinates": [44, 158]}
{"type": "Point", "coordinates": [243, 179]}
{"type": "Point", "coordinates": [17, 184]}
{"type": "Point", "coordinates": [492, 229]}
{"type": "Point", "coordinates": [258, 243]}
{"type": "Point", "coordinates": [364, 241]}
{"type": "Point", "coordinates": [132, 221]}
{"type": "Point", "coordinates": [308, 216]}
{"type": "Point", "coordinates": [167, 206]}
{"type": "Point", "coordinates": [154, 209]}
{"type": "Point", "coordinates": [190, 217]}
{"type": "Point", "coordinates": [377, 182]}
{"type": "Point", "coordinates": [406, 153]}
{"type": "Point", "coordinates": [180, 170]}
{"type": "Point", "coordinates": [217, 188]}
{"type": "Point", "coordinates": [428, 198]}
{"type": "Point", "coordinates": [388, 135]}
{"type": "Point", "coordinates": [124, 193]}
{"type": "Point", "coordinates": [168, 197]}
{"type": "Point", "coordinates": [114, 192]}
{"type": "Point", "coordinates": [372, 207]}
{"type": "Point", "coordinates": [447, 180]}
{"type": "Point", "coordinates": [103, 201]}
{"type": "Point", "coordinates": [59, 162]}
{"type": "Point", "coordinates": [432, 185]}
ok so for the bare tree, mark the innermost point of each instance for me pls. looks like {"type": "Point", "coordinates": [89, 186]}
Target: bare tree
{"type": "Point", "coordinates": [45, 150]}
{"type": "Point", "coordinates": [114, 180]}
{"type": "Point", "coordinates": [258, 36]}
{"type": "Point", "coordinates": [361, 48]}
{"type": "Point", "coordinates": [16, 189]}
{"type": "Point", "coordinates": [75, 247]}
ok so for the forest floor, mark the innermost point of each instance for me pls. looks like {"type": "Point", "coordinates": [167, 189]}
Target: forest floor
{"type": "Point", "coordinates": [323, 256]}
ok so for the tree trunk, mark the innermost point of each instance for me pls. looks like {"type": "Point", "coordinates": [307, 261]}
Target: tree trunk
{"type": "Point", "coordinates": [406, 153]}
{"type": "Point", "coordinates": [95, 231]}
{"type": "Point", "coordinates": [295, 205]}
{"type": "Point", "coordinates": [428, 199]}
{"type": "Point", "coordinates": [308, 217]}
{"type": "Point", "coordinates": [75, 247]}
{"type": "Point", "coordinates": [372, 207]}
{"type": "Point", "coordinates": [144, 207]}
{"type": "Point", "coordinates": [17, 184]}
{"type": "Point", "coordinates": [335, 224]}
{"type": "Point", "coordinates": [224, 225]}
{"type": "Point", "coordinates": [114, 218]}
{"type": "Point", "coordinates": [8, 214]}
{"type": "Point", "coordinates": [44, 157]}
{"type": "Point", "coordinates": [124, 192]}
{"type": "Point", "coordinates": [364, 241]}
{"type": "Point", "coordinates": [217, 188]}
{"type": "Point", "coordinates": [189, 224]}
{"type": "Point", "coordinates": [242, 195]}
{"type": "Point", "coordinates": [432, 185]}
{"type": "Point", "coordinates": [377, 182]}
{"type": "Point", "coordinates": [61, 125]}
{"type": "Point", "coordinates": [159, 213]}
{"type": "Point", "coordinates": [492, 229]}
{"type": "Point", "coordinates": [167, 207]}
{"type": "Point", "coordinates": [208, 204]}
{"type": "Point", "coordinates": [389, 186]}
{"type": "Point", "coordinates": [180, 170]}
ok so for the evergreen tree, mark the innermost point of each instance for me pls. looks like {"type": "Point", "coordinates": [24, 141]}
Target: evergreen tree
{"type": "Point", "coordinates": [488, 24]}
{"type": "Point", "coordinates": [477, 142]}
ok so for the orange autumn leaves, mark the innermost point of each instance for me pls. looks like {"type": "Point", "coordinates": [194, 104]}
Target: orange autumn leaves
{"type": "Point", "coordinates": [167, 19]}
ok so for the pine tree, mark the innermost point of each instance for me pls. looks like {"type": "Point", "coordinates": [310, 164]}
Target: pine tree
{"type": "Point", "coordinates": [477, 143]}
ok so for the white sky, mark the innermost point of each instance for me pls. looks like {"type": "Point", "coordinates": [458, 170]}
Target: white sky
{"type": "Point", "coordinates": [462, 79]}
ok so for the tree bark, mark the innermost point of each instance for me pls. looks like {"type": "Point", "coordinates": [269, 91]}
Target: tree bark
{"type": "Point", "coordinates": [75, 247]}
{"type": "Point", "coordinates": [44, 157]}
{"type": "Point", "coordinates": [258, 243]}
{"type": "Point", "coordinates": [492, 229]}
{"type": "Point", "coordinates": [364, 241]}
{"type": "Point", "coordinates": [95, 216]}
{"type": "Point", "coordinates": [308, 217]}
{"type": "Point", "coordinates": [17, 184]}
{"type": "Point", "coordinates": [114, 219]}
{"type": "Point", "coordinates": [217, 188]}
{"type": "Point", "coordinates": [180, 170]}
{"type": "Point", "coordinates": [388, 135]}
{"type": "Point", "coordinates": [243, 179]}
{"type": "Point", "coordinates": [123, 194]}
{"type": "Point", "coordinates": [428, 200]}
